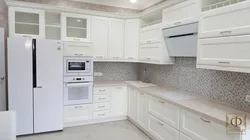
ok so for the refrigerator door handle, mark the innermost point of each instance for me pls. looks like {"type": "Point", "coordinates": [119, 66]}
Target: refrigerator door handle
{"type": "Point", "coordinates": [39, 87]}
{"type": "Point", "coordinates": [34, 63]}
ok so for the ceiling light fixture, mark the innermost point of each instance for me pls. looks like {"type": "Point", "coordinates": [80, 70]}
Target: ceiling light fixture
{"type": "Point", "coordinates": [133, 1]}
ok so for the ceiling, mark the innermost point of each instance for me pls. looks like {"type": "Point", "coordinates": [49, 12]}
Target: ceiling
{"type": "Point", "coordinates": [139, 5]}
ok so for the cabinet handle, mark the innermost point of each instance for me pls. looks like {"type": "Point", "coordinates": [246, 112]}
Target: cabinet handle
{"type": "Point", "coordinates": [76, 39]}
{"type": "Point", "coordinates": [177, 23]}
{"type": "Point", "coordinates": [148, 41]}
{"type": "Point", "coordinates": [2, 78]}
{"type": "Point", "coordinates": [101, 98]}
{"type": "Point", "coordinates": [221, 62]}
{"type": "Point", "coordinates": [142, 93]}
{"type": "Point", "coordinates": [118, 87]}
{"type": "Point", "coordinates": [101, 114]}
{"type": "Point", "coordinates": [130, 57]}
{"type": "Point", "coordinates": [205, 120]}
{"type": "Point", "coordinates": [161, 101]}
{"type": "Point", "coordinates": [101, 106]}
{"type": "Point", "coordinates": [160, 123]}
{"type": "Point", "coordinates": [116, 57]}
{"type": "Point", "coordinates": [102, 90]}
{"type": "Point", "coordinates": [78, 106]}
{"type": "Point", "coordinates": [76, 54]}
{"type": "Point", "coordinates": [148, 58]}
{"type": "Point", "coordinates": [226, 32]}
{"type": "Point", "coordinates": [99, 57]}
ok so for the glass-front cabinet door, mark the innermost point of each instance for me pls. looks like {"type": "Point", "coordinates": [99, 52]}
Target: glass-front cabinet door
{"type": "Point", "coordinates": [75, 27]}
{"type": "Point", "coordinates": [26, 22]}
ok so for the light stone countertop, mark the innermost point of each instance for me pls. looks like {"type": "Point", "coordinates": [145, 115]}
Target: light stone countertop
{"type": "Point", "coordinates": [212, 110]}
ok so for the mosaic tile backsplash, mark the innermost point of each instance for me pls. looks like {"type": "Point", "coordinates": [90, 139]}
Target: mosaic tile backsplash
{"type": "Point", "coordinates": [117, 71]}
{"type": "Point", "coordinates": [227, 87]}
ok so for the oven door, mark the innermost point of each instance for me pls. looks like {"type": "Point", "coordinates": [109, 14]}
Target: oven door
{"type": "Point", "coordinates": [78, 93]}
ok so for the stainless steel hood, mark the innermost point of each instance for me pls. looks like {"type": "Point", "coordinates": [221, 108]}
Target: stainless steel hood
{"type": "Point", "coordinates": [181, 41]}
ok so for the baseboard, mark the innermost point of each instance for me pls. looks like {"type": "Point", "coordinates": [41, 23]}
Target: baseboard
{"type": "Point", "coordinates": [103, 120]}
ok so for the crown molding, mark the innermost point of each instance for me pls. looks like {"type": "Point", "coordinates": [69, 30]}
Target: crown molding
{"type": "Point", "coordinates": [56, 8]}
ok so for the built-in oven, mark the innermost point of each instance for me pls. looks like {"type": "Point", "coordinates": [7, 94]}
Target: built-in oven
{"type": "Point", "coordinates": [77, 66]}
{"type": "Point", "coordinates": [77, 91]}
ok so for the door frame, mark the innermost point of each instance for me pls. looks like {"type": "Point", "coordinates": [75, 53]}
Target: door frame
{"type": "Point", "coordinates": [3, 106]}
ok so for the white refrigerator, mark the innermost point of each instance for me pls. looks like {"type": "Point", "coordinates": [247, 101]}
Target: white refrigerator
{"type": "Point", "coordinates": [35, 84]}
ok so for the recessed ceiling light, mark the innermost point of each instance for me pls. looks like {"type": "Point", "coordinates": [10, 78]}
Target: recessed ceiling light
{"type": "Point", "coordinates": [133, 1]}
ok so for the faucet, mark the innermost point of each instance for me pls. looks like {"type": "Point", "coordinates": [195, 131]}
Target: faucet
{"type": "Point", "coordinates": [145, 79]}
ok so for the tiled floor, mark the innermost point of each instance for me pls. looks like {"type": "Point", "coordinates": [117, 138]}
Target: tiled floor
{"type": "Point", "coordinates": [120, 130]}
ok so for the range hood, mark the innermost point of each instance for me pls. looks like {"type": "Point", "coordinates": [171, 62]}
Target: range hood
{"type": "Point", "coordinates": [181, 41]}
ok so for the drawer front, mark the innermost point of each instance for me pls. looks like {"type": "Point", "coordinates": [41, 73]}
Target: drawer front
{"type": "Point", "coordinates": [151, 35]}
{"type": "Point", "coordinates": [78, 49]}
{"type": "Point", "coordinates": [165, 111]}
{"type": "Point", "coordinates": [101, 98]}
{"type": "Point", "coordinates": [101, 90]}
{"type": "Point", "coordinates": [226, 21]}
{"type": "Point", "coordinates": [183, 13]}
{"type": "Point", "coordinates": [101, 114]}
{"type": "Point", "coordinates": [78, 113]}
{"type": "Point", "coordinates": [149, 52]}
{"type": "Point", "coordinates": [102, 106]}
{"type": "Point", "coordinates": [161, 130]}
{"type": "Point", "coordinates": [200, 128]}
{"type": "Point", "coordinates": [225, 51]}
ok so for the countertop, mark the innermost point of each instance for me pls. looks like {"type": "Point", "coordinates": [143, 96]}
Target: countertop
{"type": "Point", "coordinates": [204, 107]}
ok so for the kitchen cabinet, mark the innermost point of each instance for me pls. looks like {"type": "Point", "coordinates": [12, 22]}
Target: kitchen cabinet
{"type": "Point", "coordinates": [180, 14]}
{"type": "Point", "coordinates": [78, 113]}
{"type": "Point", "coordinates": [99, 33]}
{"type": "Point", "coordinates": [165, 111]}
{"type": "Point", "coordinates": [224, 53]}
{"type": "Point", "coordinates": [118, 101]}
{"type": "Point", "coordinates": [218, 22]}
{"type": "Point", "coordinates": [116, 39]}
{"type": "Point", "coordinates": [78, 49]}
{"type": "Point", "coordinates": [26, 22]}
{"type": "Point", "coordinates": [142, 111]}
{"type": "Point", "coordinates": [75, 27]}
{"type": "Point", "coordinates": [132, 28]}
{"type": "Point", "coordinates": [160, 130]}
{"type": "Point", "coordinates": [184, 137]}
{"type": "Point", "coordinates": [151, 34]}
{"type": "Point", "coordinates": [132, 104]}
{"type": "Point", "coordinates": [53, 25]}
{"type": "Point", "coordinates": [101, 114]}
{"type": "Point", "coordinates": [201, 128]}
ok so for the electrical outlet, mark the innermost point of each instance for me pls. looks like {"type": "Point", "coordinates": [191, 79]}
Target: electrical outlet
{"type": "Point", "coordinates": [100, 74]}
{"type": "Point", "coordinates": [96, 73]}
{"type": "Point", "coordinates": [248, 98]}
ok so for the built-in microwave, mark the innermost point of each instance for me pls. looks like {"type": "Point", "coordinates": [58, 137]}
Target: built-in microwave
{"type": "Point", "coordinates": [77, 66]}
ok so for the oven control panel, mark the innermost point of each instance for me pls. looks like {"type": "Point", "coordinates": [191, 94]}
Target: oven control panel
{"type": "Point", "coordinates": [76, 79]}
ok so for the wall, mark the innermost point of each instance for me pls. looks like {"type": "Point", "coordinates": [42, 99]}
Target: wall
{"type": "Point", "coordinates": [228, 87]}
{"type": "Point", "coordinates": [117, 71]}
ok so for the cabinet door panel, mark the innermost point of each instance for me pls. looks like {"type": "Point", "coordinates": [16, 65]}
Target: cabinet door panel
{"type": "Point", "coordinates": [142, 112]}
{"type": "Point", "coordinates": [131, 39]}
{"type": "Point", "coordinates": [116, 39]}
{"type": "Point", "coordinates": [118, 101]}
{"type": "Point", "coordinates": [99, 33]}
{"type": "Point", "coordinates": [132, 104]}
{"type": "Point", "coordinates": [161, 130]}
{"type": "Point", "coordinates": [216, 23]}
{"type": "Point", "coordinates": [78, 113]}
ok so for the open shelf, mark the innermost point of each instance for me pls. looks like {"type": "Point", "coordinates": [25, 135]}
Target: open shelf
{"type": "Point", "coordinates": [214, 4]}
{"type": "Point", "coordinates": [152, 19]}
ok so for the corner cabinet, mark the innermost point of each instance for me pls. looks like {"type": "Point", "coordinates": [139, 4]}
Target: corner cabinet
{"type": "Point", "coordinates": [75, 27]}
{"type": "Point", "coordinates": [26, 22]}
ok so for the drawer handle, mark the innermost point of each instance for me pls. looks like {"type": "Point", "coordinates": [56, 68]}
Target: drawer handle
{"type": "Point", "coordinates": [130, 57]}
{"type": "Point", "coordinates": [223, 62]}
{"type": "Point", "coordinates": [77, 54]}
{"type": "Point", "coordinates": [99, 56]}
{"type": "Point", "coordinates": [102, 90]}
{"type": "Point", "coordinates": [101, 98]}
{"type": "Point", "coordinates": [160, 123]}
{"type": "Point", "coordinates": [148, 41]}
{"type": "Point", "coordinates": [101, 106]}
{"type": "Point", "coordinates": [118, 87]}
{"type": "Point", "coordinates": [226, 32]}
{"type": "Point", "coordinates": [101, 114]}
{"type": "Point", "coordinates": [177, 23]}
{"type": "Point", "coordinates": [205, 120]}
{"type": "Point", "coordinates": [76, 39]}
{"type": "Point", "coordinates": [148, 58]}
{"type": "Point", "coordinates": [116, 57]}
{"type": "Point", "coordinates": [78, 106]}
{"type": "Point", "coordinates": [142, 93]}
{"type": "Point", "coordinates": [161, 102]}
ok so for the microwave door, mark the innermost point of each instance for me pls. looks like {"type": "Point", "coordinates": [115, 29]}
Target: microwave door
{"type": "Point", "coordinates": [76, 66]}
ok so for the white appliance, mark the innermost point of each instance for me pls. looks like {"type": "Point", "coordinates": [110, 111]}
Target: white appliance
{"type": "Point", "coordinates": [35, 84]}
{"type": "Point", "coordinates": [78, 90]}
{"type": "Point", "coordinates": [78, 66]}
{"type": "Point", "coordinates": [181, 41]}
{"type": "Point", "coordinates": [2, 72]}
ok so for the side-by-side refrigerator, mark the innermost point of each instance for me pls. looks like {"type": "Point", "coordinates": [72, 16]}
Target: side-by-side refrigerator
{"type": "Point", "coordinates": [35, 87]}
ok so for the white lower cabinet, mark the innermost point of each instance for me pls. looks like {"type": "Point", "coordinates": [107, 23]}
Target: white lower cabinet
{"type": "Point", "coordinates": [184, 137]}
{"type": "Point", "coordinates": [200, 128]}
{"type": "Point", "coordinates": [161, 130]}
{"type": "Point", "coordinates": [165, 111]}
{"type": "Point", "coordinates": [101, 114]}
{"type": "Point", "coordinates": [118, 101]}
{"type": "Point", "coordinates": [78, 113]}
{"type": "Point", "coordinates": [142, 112]}
{"type": "Point", "coordinates": [132, 104]}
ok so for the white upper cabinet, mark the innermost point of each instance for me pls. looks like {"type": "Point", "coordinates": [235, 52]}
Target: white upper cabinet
{"type": "Point", "coordinates": [132, 28]}
{"type": "Point", "coordinates": [75, 27]}
{"type": "Point", "coordinates": [53, 26]}
{"type": "Point", "coordinates": [151, 34]}
{"type": "Point", "coordinates": [183, 13]}
{"type": "Point", "coordinates": [225, 21]}
{"type": "Point", "coordinates": [116, 38]}
{"type": "Point", "coordinates": [26, 22]}
{"type": "Point", "coordinates": [118, 101]}
{"type": "Point", "coordinates": [99, 33]}
{"type": "Point", "coordinates": [78, 49]}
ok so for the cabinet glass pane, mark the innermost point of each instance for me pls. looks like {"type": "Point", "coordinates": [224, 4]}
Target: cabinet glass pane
{"type": "Point", "coordinates": [26, 29]}
{"type": "Point", "coordinates": [75, 32]}
{"type": "Point", "coordinates": [26, 17]}
{"type": "Point", "coordinates": [76, 22]}
{"type": "Point", "coordinates": [53, 33]}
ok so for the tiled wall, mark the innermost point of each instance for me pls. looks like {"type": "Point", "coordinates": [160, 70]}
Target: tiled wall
{"type": "Point", "coordinates": [117, 71]}
{"type": "Point", "coordinates": [228, 87]}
